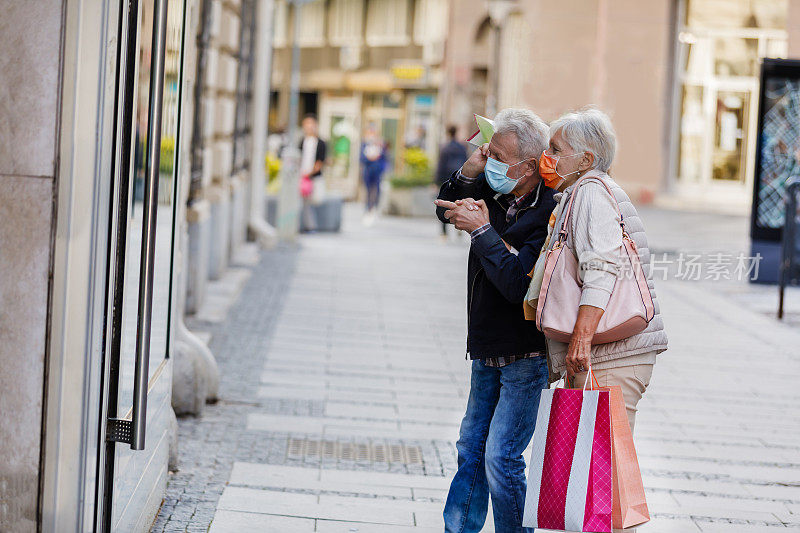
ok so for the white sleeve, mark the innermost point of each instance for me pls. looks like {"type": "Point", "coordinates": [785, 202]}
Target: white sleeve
{"type": "Point", "coordinates": [597, 238]}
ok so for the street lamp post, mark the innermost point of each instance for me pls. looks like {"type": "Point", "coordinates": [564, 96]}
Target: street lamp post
{"type": "Point", "coordinates": [289, 206]}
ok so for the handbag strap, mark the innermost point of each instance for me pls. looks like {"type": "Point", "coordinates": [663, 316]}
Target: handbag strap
{"type": "Point", "coordinates": [562, 233]}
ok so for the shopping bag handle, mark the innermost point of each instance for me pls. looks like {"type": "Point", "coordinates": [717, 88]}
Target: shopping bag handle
{"type": "Point", "coordinates": [594, 384]}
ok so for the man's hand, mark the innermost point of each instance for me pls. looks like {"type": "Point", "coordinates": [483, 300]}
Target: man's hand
{"type": "Point", "coordinates": [476, 162]}
{"type": "Point", "coordinates": [466, 214]}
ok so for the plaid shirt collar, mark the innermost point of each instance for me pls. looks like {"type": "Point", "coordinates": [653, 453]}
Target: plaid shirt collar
{"type": "Point", "coordinates": [508, 200]}
{"type": "Point", "coordinates": [513, 204]}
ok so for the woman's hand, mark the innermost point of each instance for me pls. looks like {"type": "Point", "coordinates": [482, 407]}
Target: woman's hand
{"type": "Point", "coordinates": [579, 353]}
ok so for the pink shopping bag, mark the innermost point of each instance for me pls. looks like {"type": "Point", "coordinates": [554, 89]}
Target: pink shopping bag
{"type": "Point", "coordinates": [570, 483]}
{"type": "Point", "coordinates": [306, 186]}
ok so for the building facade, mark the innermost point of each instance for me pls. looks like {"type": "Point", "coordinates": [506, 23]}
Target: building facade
{"type": "Point", "coordinates": [364, 62]}
{"type": "Point", "coordinates": [679, 79]}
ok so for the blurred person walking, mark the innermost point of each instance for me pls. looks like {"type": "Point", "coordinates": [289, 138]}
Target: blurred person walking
{"type": "Point", "coordinates": [374, 159]}
{"type": "Point", "coordinates": [499, 197]}
{"type": "Point", "coordinates": [451, 156]}
{"type": "Point", "coordinates": [312, 159]}
{"type": "Point", "coordinates": [582, 145]}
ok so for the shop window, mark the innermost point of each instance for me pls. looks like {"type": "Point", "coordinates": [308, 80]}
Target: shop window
{"type": "Point", "coordinates": [730, 14]}
{"type": "Point", "coordinates": [731, 118]}
{"type": "Point", "coordinates": [735, 56]}
{"type": "Point", "coordinates": [421, 129]}
{"type": "Point", "coordinates": [345, 22]}
{"type": "Point", "coordinates": [387, 22]}
{"type": "Point", "coordinates": [692, 134]}
{"type": "Point", "coordinates": [721, 44]}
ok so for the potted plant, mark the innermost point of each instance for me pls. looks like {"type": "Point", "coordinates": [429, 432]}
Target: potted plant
{"type": "Point", "coordinates": [412, 192]}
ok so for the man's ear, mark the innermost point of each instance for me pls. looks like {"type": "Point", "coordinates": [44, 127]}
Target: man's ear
{"type": "Point", "coordinates": [534, 166]}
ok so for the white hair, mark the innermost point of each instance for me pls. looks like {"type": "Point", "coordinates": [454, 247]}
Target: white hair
{"type": "Point", "coordinates": [588, 130]}
{"type": "Point", "coordinates": [527, 127]}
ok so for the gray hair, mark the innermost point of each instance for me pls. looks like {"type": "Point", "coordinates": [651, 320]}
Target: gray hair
{"type": "Point", "coordinates": [588, 130]}
{"type": "Point", "coordinates": [527, 127]}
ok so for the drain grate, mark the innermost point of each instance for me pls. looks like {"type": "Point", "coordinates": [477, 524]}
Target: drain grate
{"type": "Point", "coordinates": [372, 452]}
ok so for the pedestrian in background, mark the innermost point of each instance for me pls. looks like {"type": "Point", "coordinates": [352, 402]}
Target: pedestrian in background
{"type": "Point", "coordinates": [500, 199]}
{"type": "Point", "coordinates": [582, 144]}
{"type": "Point", "coordinates": [451, 156]}
{"type": "Point", "coordinates": [374, 159]}
{"type": "Point", "coordinates": [312, 158]}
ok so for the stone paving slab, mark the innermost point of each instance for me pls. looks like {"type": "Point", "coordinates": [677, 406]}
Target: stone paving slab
{"type": "Point", "coordinates": [380, 511]}
{"type": "Point", "coordinates": [275, 476]}
{"type": "Point", "coordinates": [331, 526]}
{"type": "Point", "coordinates": [238, 522]}
{"type": "Point", "coordinates": [358, 338]}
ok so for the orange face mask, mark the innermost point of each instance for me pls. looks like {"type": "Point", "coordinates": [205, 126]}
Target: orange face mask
{"type": "Point", "coordinates": [548, 165]}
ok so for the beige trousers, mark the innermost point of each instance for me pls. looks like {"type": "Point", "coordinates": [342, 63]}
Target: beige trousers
{"type": "Point", "coordinates": [633, 379]}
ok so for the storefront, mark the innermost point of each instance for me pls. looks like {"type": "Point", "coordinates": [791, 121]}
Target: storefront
{"type": "Point", "coordinates": [400, 103]}
{"type": "Point", "coordinates": [87, 445]}
{"type": "Point", "coordinates": [719, 45]}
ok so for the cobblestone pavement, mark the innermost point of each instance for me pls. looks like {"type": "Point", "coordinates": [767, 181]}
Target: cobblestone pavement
{"type": "Point", "coordinates": [344, 381]}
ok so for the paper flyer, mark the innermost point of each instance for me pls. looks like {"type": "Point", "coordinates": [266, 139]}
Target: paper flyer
{"type": "Point", "coordinates": [484, 133]}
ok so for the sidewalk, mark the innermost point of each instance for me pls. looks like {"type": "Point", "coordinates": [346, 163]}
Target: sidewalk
{"type": "Point", "coordinates": [344, 381]}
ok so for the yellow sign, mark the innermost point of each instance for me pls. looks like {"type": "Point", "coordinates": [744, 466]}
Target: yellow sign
{"type": "Point", "coordinates": [408, 72]}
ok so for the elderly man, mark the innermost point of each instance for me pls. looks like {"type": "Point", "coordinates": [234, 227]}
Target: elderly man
{"type": "Point", "coordinates": [500, 199]}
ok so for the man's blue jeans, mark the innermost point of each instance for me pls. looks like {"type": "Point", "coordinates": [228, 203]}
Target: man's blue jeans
{"type": "Point", "coordinates": [498, 425]}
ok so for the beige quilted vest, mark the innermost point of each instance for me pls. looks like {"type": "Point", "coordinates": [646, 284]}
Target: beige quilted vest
{"type": "Point", "coordinates": [653, 338]}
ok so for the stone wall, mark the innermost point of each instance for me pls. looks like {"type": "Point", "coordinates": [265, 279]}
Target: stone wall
{"type": "Point", "coordinates": [29, 87]}
{"type": "Point", "coordinates": [215, 225]}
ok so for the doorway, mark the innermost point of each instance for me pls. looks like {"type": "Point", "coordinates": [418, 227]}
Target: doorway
{"type": "Point", "coordinates": [385, 113]}
{"type": "Point", "coordinates": [338, 124]}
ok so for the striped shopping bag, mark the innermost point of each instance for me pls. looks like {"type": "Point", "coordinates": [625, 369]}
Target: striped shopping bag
{"type": "Point", "coordinates": [570, 478]}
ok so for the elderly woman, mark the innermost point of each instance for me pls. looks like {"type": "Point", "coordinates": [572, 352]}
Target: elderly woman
{"type": "Point", "coordinates": [583, 143]}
